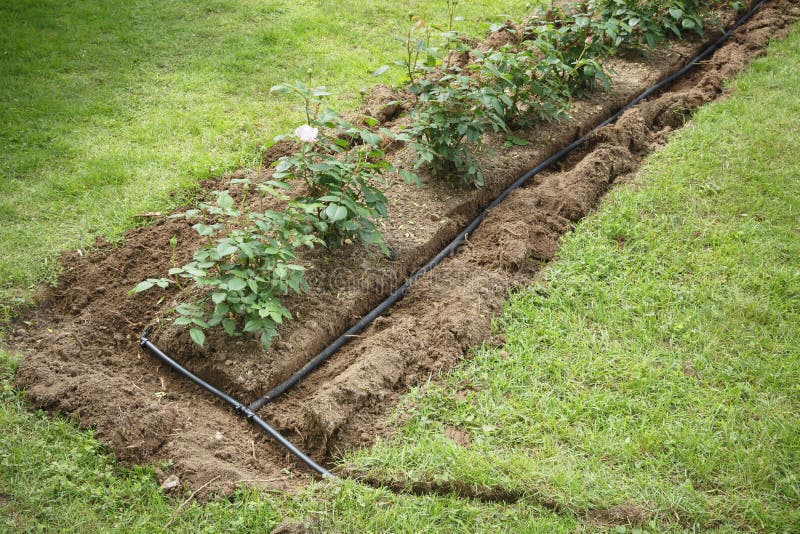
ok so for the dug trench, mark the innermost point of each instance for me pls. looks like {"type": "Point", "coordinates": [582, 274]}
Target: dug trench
{"type": "Point", "coordinates": [81, 355]}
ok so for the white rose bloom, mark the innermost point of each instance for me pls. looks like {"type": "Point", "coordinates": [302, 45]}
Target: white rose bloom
{"type": "Point", "coordinates": [306, 133]}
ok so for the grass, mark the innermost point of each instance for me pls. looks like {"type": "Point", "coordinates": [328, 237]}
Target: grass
{"type": "Point", "coordinates": [53, 478]}
{"type": "Point", "coordinates": [657, 363]}
{"type": "Point", "coordinates": [111, 107]}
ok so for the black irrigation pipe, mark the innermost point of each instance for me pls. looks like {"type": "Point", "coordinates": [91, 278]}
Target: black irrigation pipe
{"type": "Point", "coordinates": [248, 412]}
{"type": "Point", "coordinates": [400, 292]}
{"type": "Point", "coordinates": [239, 408]}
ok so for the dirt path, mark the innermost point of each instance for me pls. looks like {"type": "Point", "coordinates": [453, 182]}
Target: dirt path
{"type": "Point", "coordinates": [82, 356]}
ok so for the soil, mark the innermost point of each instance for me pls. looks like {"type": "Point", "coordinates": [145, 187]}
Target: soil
{"type": "Point", "coordinates": [459, 436]}
{"type": "Point", "coordinates": [80, 345]}
{"type": "Point", "coordinates": [625, 514]}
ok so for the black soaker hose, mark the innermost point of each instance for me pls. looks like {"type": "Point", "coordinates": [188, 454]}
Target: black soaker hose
{"type": "Point", "coordinates": [248, 412]}
{"type": "Point", "coordinates": [400, 292]}
{"type": "Point", "coordinates": [238, 407]}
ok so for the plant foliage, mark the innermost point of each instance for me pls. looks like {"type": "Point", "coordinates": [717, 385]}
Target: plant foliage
{"type": "Point", "coordinates": [248, 262]}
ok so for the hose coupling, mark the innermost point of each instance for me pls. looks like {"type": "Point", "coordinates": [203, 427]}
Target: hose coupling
{"type": "Point", "coordinates": [143, 338]}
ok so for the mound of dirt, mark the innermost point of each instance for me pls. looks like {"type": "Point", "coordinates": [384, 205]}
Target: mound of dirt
{"type": "Point", "coordinates": [81, 350]}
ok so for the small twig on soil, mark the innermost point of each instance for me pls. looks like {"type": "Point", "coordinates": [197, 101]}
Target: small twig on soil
{"type": "Point", "coordinates": [134, 384]}
{"type": "Point", "coordinates": [184, 503]}
{"type": "Point", "coordinates": [253, 445]}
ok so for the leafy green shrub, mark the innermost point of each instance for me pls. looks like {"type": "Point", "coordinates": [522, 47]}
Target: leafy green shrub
{"type": "Point", "coordinates": [636, 23]}
{"type": "Point", "coordinates": [569, 39]}
{"type": "Point", "coordinates": [341, 167]}
{"type": "Point", "coordinates": [628, 22]}
{"type": "Point", "coordinates": [242, 273]}
{"type": "Point", "coordinates": [246, 264]}
{"type": "Point", "coordinates": [679, 15]}
{"type": "Point", "coordinates": [527, 82]}
{"type": "Point", "coordinates": [451, 114]}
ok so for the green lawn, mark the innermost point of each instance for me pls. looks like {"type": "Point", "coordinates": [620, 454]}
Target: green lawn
{"type": "Point", "coordinates": [663, 372]}
{"type": "Point", "coordinates": [657, 363]}
{"type": "Point", "coordinates": [108, 107]}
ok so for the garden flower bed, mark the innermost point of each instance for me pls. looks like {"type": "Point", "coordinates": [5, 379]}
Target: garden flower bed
{"type": "Point", "coordinates": [82, 355]}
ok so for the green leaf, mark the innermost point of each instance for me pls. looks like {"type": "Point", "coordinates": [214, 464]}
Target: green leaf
{"type": "Point", "coordinates": [371, 138]}
{"type": "Point", "coordinates": [236, 284]}
{"type": "Point", "coordinates": [187, 309]}
{"type": "Point", "coordinates": [224, 200]}
{"type": "Point", "coordinates": [229, 326]}
{"type": "Point", "coordinates": [199, 322]}
{"type": "Point", "coordinates": [221, 309]}
{"type": "Point", "coordinates": [410, 178]}
{"type": "Point", "coordinates": [226, 249]}
{"type": "Point", "coordinates": [252, 325]}
{"type": "Point", "coordinates": [194, 271]}
{"type": "Point", "coordinates": [380, 70]}
{"type": "Point", "coordinates": [294, 284]}
{"type": "Point", "coordinates": [518, 141]}
{"type": "Point", "coordinates": [203, 229]}
{"type": "Point", "coordinates": [198, 336]}
{"type": "Point", "coordinates": [218, 297]}
{"type": "Point", "coordinates": [266, 338]}
{"type": "Point", "coordinates": [335, 212]}
{"type": "Point", "coordinates": [253, 285]}
{"type": "Point", "coordinates": [143, 286]}
{"type": "Point", "coordinates": [321, 167]}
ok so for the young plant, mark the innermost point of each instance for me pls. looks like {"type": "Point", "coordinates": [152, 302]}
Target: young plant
{"type": "Point", "coordinates": [524, 83]}
{"type": "Point", "coordinates": [341, 167]}
{"type": "Point", "coordinates": [680, 15]}
{"type": "Point", "coordinates": [243, 269]}
{"type": "Point", "coordinates": [247, 263]}
{"type": "Point", "coordinates": [571, 39]}
{"type": "Point", "coordinates": [417, 44]}
{"type": "Point", "coordinates": [452, 7]}
{"type": "Point", "coordinates": [448, 121]}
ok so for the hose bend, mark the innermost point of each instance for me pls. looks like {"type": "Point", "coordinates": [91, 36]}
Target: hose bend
{"type": "Point", "coordinates": [239, 409]}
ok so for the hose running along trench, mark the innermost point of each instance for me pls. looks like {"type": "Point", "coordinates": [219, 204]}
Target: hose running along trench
{"type": "Point", "coordinates": [400, 292]}
{"type": "Point", "coordinates": [238, 407]}
{"type": "Point", "coordinates": [249, 412]}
